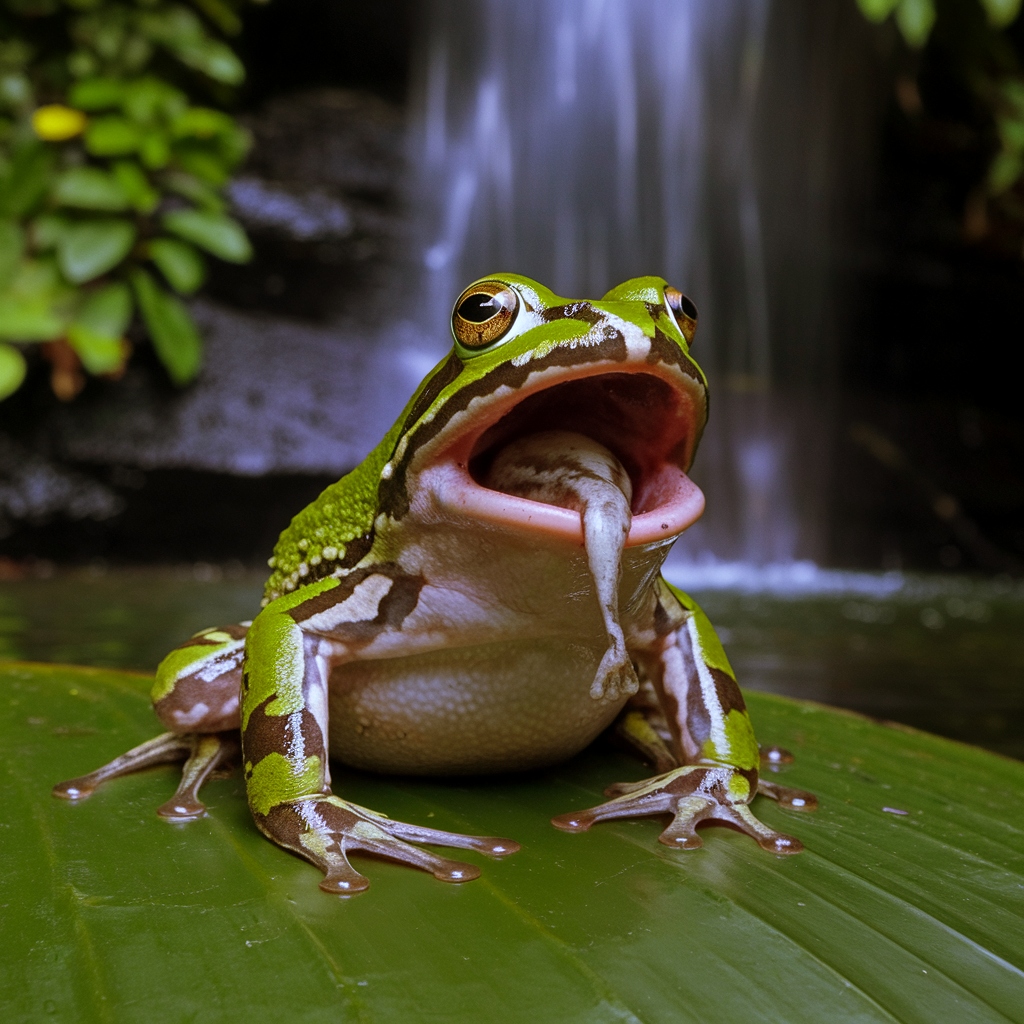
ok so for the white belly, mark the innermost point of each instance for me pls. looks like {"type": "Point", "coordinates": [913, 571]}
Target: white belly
{"type": "Point", "coordinates": [487, 708]}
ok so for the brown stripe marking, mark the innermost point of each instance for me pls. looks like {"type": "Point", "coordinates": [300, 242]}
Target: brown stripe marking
{"type": "Point", "coordinates": [446, 375]}
{"type": "Point", "coordinates": [665, 350]}
{"type": "Point", "coordinates": [396, 605]}
{"type": "Point", "coordinates": [275, 734]}
{"type": "Point", "coordinates": [729, 695]}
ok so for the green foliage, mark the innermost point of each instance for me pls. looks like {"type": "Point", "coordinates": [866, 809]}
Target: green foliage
{"type": "Point", "coordinates": [990, 68]}
{"type": "Point", "coordinates": [12, 370]}
{"type": "Point", "coordinates": [213, 232]}
{"type": "Point", "coordinates": [88, 248]}
{"type": "Point", "coordinates": [916, 18]}
{"type": "Point", "coordinates": [97, 331]}
{"type": "Point", "coordinates": [179, 263]}
{"type": "Point", "coordinates": [171, 328]}
{"type": "Point", "coordinates": [1001, 12]}
{"type": "Point", "coordinates": [877, 10]}
{"type": "Point", "coordinates": [108, 164]}
{"type": "Point", "coordinates": [907, 904]}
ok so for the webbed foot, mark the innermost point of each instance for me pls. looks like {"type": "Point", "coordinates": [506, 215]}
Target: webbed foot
{"type": "Point", "coordinates": [325, 829]}
{"type": "Point", "coordinates": [202, 753]}
{"type": "Point", "coordinates": [691, 794]}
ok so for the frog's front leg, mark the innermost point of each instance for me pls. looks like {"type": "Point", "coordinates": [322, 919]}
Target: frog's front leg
{"type": "Point", "coordinates": [285, 756]}
{"type": "Point", "coordinates": [712, 741]}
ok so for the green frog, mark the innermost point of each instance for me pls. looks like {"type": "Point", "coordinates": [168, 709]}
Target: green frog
{"type": "Point", "coordinates": [483, 594]}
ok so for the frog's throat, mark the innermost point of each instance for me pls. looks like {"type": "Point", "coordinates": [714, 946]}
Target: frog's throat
{"type": "Point", "coordinates": [649, 419]}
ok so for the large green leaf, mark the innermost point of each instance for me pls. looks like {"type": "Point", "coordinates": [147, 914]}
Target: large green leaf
{"type": "Point", "coordinates": [97, 93]}
{"type": "Point", "coordinates": [915, 19]}
{"type": "Point", "coordinates": [136, 185]}
{"type": "Point", "coordinates": [877, 10]}
{"type": "Point", "coordinates": [111, 914]}
{"type": "Point", "coordinates": [178, 29]}
{"type": "Point", "coordinates": [36, 303]}
{"type": "Point", "coordinates": [25, 179]}
{"type": "Point", "coordinates": [111, 136]}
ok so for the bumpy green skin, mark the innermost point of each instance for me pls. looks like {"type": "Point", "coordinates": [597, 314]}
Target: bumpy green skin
{"type": "Point", "coordinates": [343, 513]}
{"type": "Point", "coordinates": [339, 586]}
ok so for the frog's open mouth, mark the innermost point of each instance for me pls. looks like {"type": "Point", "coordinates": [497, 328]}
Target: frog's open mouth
{"type": "Point", "coordinates": [650, 422]}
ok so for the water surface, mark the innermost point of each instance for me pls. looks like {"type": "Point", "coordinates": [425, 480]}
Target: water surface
{"type": "Point", "coordinates": [945, 654]}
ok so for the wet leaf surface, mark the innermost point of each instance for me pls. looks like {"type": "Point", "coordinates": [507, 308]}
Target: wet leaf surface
{"type": "Point", "coordinates": [110, 914]}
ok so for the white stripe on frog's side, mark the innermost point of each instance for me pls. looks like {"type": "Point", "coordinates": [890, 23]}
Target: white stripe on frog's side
{"type": "Point", "coordinates": [316, 697]}
{"type": "Point", "coordinates": [362, 605]}
{"type": "Point", "coordinates": [228, 657]}
{"type": "Point", "coordinates": [708, 689]}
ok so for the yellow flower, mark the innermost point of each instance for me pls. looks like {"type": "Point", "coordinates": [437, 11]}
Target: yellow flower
{"type": "Point", "coordinates": [54, 122]}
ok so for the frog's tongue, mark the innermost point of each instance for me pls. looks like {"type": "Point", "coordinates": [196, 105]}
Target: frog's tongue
{"type": "Point", "coordinates": [648, 423]}
{"type": "Point", "coordinates": [576, 473]}
{"type": "Point", "coordinates": [668, 503]}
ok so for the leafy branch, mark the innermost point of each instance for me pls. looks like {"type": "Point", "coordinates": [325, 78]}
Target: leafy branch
{"type": "Point", "coordinates": [111, 180]}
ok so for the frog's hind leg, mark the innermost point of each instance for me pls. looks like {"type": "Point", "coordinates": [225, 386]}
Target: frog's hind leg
{"type": "Point", "coordinates": [196, 696]}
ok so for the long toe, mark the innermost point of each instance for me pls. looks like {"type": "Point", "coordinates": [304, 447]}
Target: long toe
{"type": "Point", "coordinates": [682, 833]}
{"type": "Point", "coordinates": [341, 878]}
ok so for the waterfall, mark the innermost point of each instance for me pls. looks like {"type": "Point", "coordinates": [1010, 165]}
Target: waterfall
{"type": "Point", "coordinates": [583, 142]}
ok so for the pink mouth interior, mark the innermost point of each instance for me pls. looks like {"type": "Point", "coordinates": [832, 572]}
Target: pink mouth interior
{"type": "Point", "coordinates": [644, 419]}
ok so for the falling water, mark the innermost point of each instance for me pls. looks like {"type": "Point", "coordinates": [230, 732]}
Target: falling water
{"type": "Point", "coordinates": [582, 142]}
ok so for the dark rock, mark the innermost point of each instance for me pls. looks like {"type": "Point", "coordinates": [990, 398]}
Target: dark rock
{"type": "Point", "coordinates": [320, 195]}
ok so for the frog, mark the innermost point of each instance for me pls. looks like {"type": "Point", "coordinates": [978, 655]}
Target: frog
{"type": "Point", "coordinates": [484, 594]}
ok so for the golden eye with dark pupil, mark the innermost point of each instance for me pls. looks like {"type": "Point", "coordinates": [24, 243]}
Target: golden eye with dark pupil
{"type": "Point", "coordinates": [484, 313]}
{"type": "Point", "coordinates": [479, 308]}
{"type": "Point", "coordinates": [685, 312]}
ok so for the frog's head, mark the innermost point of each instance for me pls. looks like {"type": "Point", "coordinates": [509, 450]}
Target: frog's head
{"type": "Point", "coordinates": [525, 360]}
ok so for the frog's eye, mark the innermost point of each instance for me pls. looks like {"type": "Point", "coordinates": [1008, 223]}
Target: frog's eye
{"type": "Point", "coordinates": [484, 313]}
{"type": "Point", "coordinates": [684, 311]}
